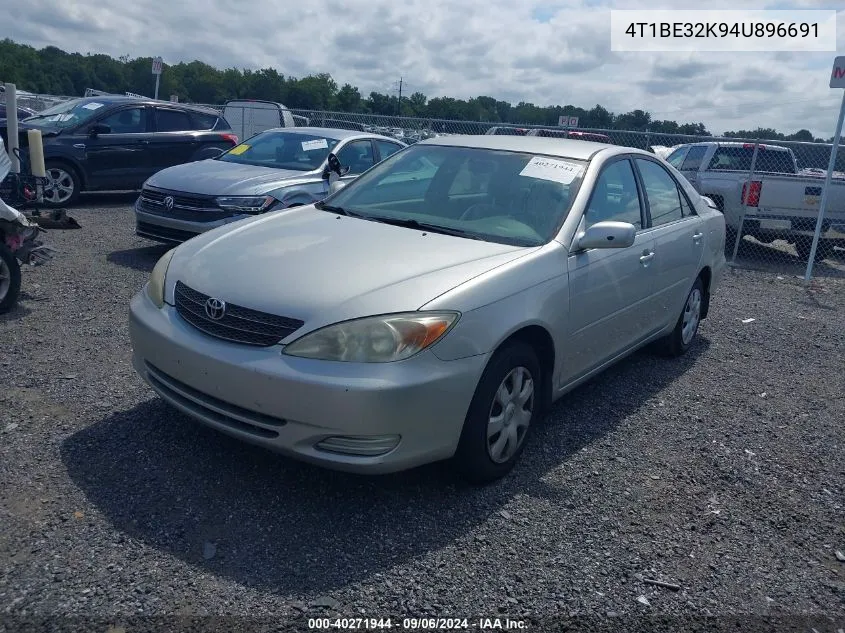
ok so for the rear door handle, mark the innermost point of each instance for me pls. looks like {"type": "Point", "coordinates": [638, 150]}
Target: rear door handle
{"type": "Point", "coordinates": [79, 145]}
{"type": "Point", "coordinates": [144, 142]}
{"type": "Point", "coordinates": [697, 237]}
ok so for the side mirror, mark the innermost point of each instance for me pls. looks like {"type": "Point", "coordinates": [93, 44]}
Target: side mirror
{"type": "Point", "coordinates": [99, 128]}
{"type": "Point", "coordinates": [606, 235]}
{"type": "Point", "coordinates": [336, 186]}
{"type": "Point", "coordinates": [333, 166]}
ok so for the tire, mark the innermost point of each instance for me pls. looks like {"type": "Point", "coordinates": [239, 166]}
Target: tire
{"type": "Point", "coordinates": [63, 185]}
{"type": "Point", "coordinates": [476, 457]}
{"type": "Point", "coordinates": [803, 246]}
{"type": "Point", "coordinates": [686, 328]}
{"type": "Point", "coordinates": [10, 279]}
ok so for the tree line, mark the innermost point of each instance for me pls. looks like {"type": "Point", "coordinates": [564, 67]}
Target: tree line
{"type": "Point", "coordinates": [51, 70]}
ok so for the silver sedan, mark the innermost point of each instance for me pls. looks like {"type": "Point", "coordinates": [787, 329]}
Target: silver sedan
{"type": "Point", "coordinates": [276, 169]}
{"type": "Point", "coordinates": [434, 307]}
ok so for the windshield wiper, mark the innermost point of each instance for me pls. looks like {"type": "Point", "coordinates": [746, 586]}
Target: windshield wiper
{"type": "Point", "coordinates": [425, 226]}
{"type": "Point", "coordinates": [333, 209]}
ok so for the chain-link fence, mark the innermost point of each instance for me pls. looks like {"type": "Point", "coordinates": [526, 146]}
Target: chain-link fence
{"type": "Point", "coordinates": [769, 190]}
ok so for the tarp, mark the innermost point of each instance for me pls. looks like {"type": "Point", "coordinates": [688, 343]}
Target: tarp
{"type": "Point", "coordinates": [7, 212]}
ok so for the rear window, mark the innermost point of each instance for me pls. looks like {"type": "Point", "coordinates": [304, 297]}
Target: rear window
{"type": "Point", "coordinates": [739, 159]}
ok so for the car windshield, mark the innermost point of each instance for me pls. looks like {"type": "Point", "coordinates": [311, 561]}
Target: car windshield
{"type": "Point", "coordinates": [282, 150]}
{"type": "Point", "coordinates": [497, 196]}
{"type": "Point", "coordinates": [66, 114]}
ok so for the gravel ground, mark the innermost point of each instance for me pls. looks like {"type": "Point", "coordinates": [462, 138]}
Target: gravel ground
{"type": "Point", "coordinates": [721, 472]}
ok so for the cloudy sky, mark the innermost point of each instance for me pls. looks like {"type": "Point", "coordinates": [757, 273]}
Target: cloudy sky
{"type": "Point", "coordinates": [540, 51]}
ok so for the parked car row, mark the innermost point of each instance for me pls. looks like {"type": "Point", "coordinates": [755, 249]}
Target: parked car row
{"type": "Point", "coordinates": [780, 200]}
{"type": "Point", "coordinates": [431, 306]}
{"type": "Point", "coordinates": [106, 143]}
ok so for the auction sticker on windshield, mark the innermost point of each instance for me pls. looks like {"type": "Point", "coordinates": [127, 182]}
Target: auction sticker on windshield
{"type": "Point", "coordinates": [561, 171]}
{"type": "Point", "coordinates": [239, 149]}
{"type": "Point", "coordinates": [319, 143]}
{"type": "Point", "coordinates": [92, 106]}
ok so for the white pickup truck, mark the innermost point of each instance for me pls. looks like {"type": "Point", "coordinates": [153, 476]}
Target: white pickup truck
{"type": "Point", "coordinates": [781, 202]}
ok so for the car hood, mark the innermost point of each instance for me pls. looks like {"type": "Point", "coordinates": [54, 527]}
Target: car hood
{"type": "Point", "coordinates": [219, 178]}
{"type": "Point", "coordinates": [322, 268]}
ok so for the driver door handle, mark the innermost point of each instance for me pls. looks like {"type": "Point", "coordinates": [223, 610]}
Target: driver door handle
{"type": "Point", "coordinates": [697, 237]}
{"type": "Point", "coordinates": [646, 257]}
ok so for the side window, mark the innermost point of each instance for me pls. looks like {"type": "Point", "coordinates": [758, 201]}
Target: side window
{"type": "Point", "coordinates": [386, 148]}
{"type": "Point", "coordinates": [732, 158]}
{"type": "Point", "coordinates": [128, 121]}
{"type": "Point", "coordinates": [357, 155]}
{"type": "Point", "coordinates": [677, 157]}
{"type": "Point", "coordinates": [172, 121]}
{"type": "Point", "coordinates": [615, 196]}
{"type": "Point", "coordinates": [662, 193]}
{"type": "Point", "coordinates": [694, 158]}
{"type": "Point", "coordinates": [203, 121]}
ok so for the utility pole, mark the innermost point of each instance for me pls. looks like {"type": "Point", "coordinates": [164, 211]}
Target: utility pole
{"type": "Point", "coordinates": [399, 104]}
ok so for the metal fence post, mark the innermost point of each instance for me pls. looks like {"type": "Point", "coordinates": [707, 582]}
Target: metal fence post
{"type": "Point", "coordinates": [738, 237]}
{"type": "Point", "coordinates": [823, 202]}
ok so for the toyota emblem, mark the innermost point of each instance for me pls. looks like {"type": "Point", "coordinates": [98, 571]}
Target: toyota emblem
{"type": "Point", "coordinates": [168, 203]}
{"type": "Point", "coordinates": [215, 308]}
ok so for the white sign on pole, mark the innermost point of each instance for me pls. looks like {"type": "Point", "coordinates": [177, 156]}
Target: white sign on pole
{"type": "Point", "coordinates": [573, 121]}
{"type": "Point", "coordinates": [157, 61]}
{"type": "Point", "coordinates": [837, 75]}
{"type": "Point", "coordinates": [837, 80]}
{"type": "Point", "coordinates": [563, 121]}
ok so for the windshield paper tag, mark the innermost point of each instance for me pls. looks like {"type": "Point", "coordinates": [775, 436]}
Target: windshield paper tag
{"type": "Point", "coordinates": [319, 143]}
{"type": "Point", "coordinates": [240, 149]}
{"type": "Point", "coordinates": [92, 106]}
{"type": "Point", "coordinates": [551, 169]}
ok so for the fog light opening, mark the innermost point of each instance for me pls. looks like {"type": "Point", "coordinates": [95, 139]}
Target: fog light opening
{"type": "Point", "coordinates": [370, 446]}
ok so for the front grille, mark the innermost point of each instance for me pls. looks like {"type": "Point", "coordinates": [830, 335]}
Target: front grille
{"type": "Point", "coordinates": [190, 207]}
{"type": "Point", "coordinates": [162, 233]}
{"type": "Point", "coordinates": [238, 324]}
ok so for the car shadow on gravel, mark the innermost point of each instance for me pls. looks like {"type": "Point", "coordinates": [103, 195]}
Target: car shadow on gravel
{"type": "Point", "coordinates": [142, 258]}
{"type": "Point", "coordinates": [265, 521]}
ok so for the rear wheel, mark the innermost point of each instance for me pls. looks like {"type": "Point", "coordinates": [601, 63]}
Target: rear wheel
{"type": "Point", "coordinates": [505, 405]}
{"type": "Point", "coordinates": [686, 327]}
{"type": "Point", "coordinates": [10, 279]}
{"type": "Point", "coordinates": [63, 185]}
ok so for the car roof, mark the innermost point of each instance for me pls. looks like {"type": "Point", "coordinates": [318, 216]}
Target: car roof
{"type": "Point", "coordinates": [562, 147]}
{"type": "Point", "coordinates": [111, 99]}
{"type": "Point", "coordinates": [335, 133]}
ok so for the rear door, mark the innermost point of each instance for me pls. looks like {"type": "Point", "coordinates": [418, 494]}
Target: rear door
{"type": "Point", "coordinates": [119, 158]}
{"type": "Point", "coordinates": [679, 237]}
{"type": "Point", "coordinates": [611, 290]}
{"type": "Point", "coordinates": [174, 141]}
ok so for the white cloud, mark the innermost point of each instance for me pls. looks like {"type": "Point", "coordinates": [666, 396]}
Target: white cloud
{"type": "Point", "coordinates": [540, 51]}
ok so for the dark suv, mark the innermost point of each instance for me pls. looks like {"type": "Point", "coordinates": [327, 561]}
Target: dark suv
{"type": "Point", "coordinates": [114, 143]}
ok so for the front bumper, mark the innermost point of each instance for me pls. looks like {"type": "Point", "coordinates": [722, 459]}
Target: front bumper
{"type": "Point", "coordinates": [173, 229]}
{"type": "Point", "coordinates": [411, 412]}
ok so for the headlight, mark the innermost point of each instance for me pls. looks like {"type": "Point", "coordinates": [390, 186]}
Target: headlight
{"type": "Point", "coordinates": [381, 339]}
{"type": "Point", "coordinates": [246, 204]}
{"type": "Point", "coordinates": [155, 286]}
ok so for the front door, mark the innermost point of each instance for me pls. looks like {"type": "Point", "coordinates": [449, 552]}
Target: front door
{"type": "Point", "coordinates": [611, 290]}
{"type": "Point", "coordinates": [118, 158]}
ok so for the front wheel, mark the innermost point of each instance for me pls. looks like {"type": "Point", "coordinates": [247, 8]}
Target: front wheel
{"type": "Point", "coordinates": [506, 402]}
{"type": "Point", "coordinates": [10, 279]}
{"type": "Point", "coordinates": [63, 185]}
